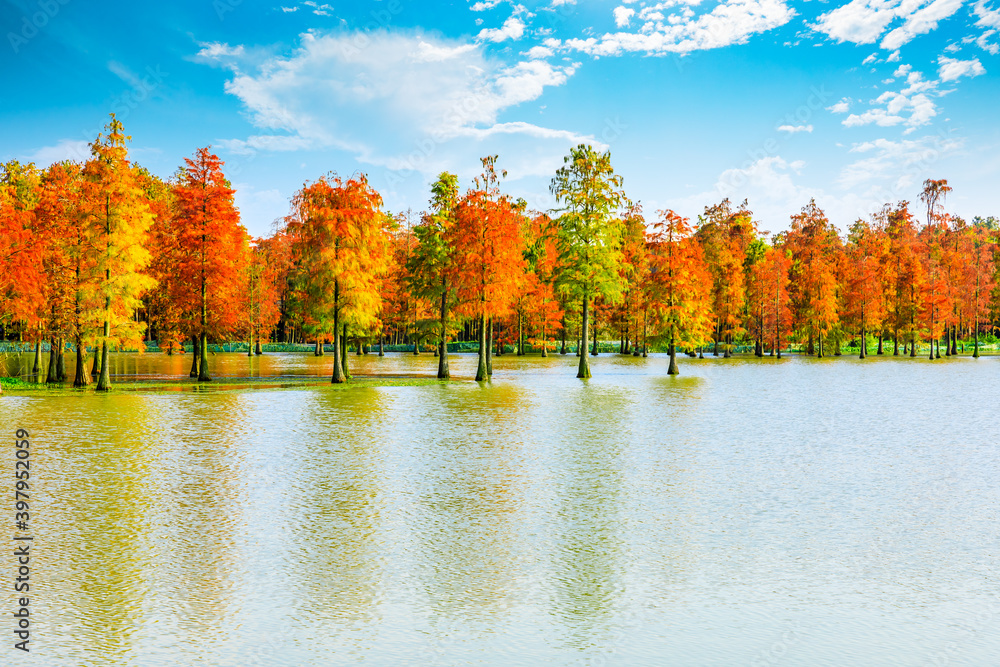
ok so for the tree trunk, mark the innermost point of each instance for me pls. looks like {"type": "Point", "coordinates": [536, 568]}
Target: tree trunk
{"type": "Point", "coordinates": [645, 340]}
{"type": "Point", "coordinates": [672, 369]}
{"type": "Point", "coordinates": [50, 374]}
{"type": "Point", "coordinates": [319, 351]}
{"type": "Point", "coordinates": [881, 338]}
{"type": "Point", "coordinates": [38, 358]}
{"type": "Point", "coordinates": [954, 340]}
{"type": "Point", "coordinates": [444, 372]}
{"type": "Point", "coordinates": [381, 345]}
{"type": "Point", "coordinates": [61, 362]}
{"type": "Point", "coordinates": [594, 352]}
{"type": "Point", "coordinates": [864, 346]}
{"type": "Point", "coordinates": [343, 354]}
{"type": "Point", "coordinates": [258, 350]}
{"type": "Point", "coordinates": [563, 350]}
{"type": "Point", "coordinates": [203, 375]}
{"type": "Point", "coordinates": [481, 371]}
{"type": "Point", "coordinates": [338, 363]}
{"type": "Point", "coordinates": [520, 335]}
{"type": "Point", "coordinates": [104, 379]}
{"type": "Point", "coordinates": [96, 368]}
{"type": "Point", "coordinates": [489, 349]}
{"type": "Point", "coordinates": [80, 379]}
{"type": "Point", "coordinates": [195, 356]}
{"type": "Point", "coordinates": [584, 369]}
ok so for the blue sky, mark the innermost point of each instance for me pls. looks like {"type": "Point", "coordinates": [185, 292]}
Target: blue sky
{"type": "Point", "coordinates": [853, 103]}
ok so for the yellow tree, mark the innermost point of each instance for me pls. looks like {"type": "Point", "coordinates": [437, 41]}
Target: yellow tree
{"type": "Point", "coordinates": [118, 220]}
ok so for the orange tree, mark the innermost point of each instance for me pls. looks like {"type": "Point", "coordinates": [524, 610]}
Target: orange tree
{"type": "Point", "coordinates": [815, 247]}
{"type": "Point", "coordinates": [863, 303]}
{"type": "Point", "coordinates": [215, 248]}
{"type": "Point", "coordinates": [339, 241]}
{"type": "Point", "coordinates": [680, 285]}
{"type": "Point", "coordinates": [488, 248]}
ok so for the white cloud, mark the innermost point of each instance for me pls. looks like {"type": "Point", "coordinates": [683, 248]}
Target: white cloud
{"type": "Point", "coordinates": [859, 21]}
{"type": "Point", "coordinates": [950, 69]}
{"type": "Point", "coordinates": [513, 28]}
{"type": "Point", "coordinates": [376, 94]}
{"type": "Point", "coordinates": [903, 163]}
{"type": "Point", "coordinates": [65, 149]}
{"type": "Point", "coordinates": [218, 50]}
{"type": "Point", "coordinates": [983, 42]}
{"type": "Point", "coordinates": [793, 129]}
{"type": "Point", "coordinates": [730, 22]}
{"type": "Point", "coordinates": [539, 52]}
{"type": "Point", "coordinates": [988, 18]}
{"type": "Point", "coordinates": [289, 9]}
{"type": "Point", "coordinates": [865, 21]}
{"type": "Point", "coordinates": [840, 107]}
{"type": "Point", "coordinates": [622, 16]}
{"type": "Point", "coordinates": [893, 57]}
{"type": "Point", "coordinates": [921, 22]}
{"type": "Point", "coordinates": [483, 6]}
{"type": "Point", "coordinates": [919, 107]}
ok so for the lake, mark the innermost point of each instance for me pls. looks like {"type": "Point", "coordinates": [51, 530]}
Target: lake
{"type": "Point", "coordinates": [747, 512]}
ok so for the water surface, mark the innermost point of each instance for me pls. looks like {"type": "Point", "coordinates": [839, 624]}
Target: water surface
{"type": "Point", "coordinates": [747, 512]}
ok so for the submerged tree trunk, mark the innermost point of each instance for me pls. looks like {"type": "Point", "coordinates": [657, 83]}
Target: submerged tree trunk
{"type": "Point", "coordinates": [381, 345]}
{"type": "Point", "coordinates": [563, 350]}
{"type": "Point", "coordinates": [489, 349]}
{"type": "Point", "coordinates": [954, 340]}
{"type": "Point", "coordinates": [195, 356]}
{"type": "Point", "coordinates": [481, 372]}
{"type": "Point", "coordinates": [319, 351]}
{"type": "Point", "coordinates": [80, 378]}
{"type": "Point", "coordinates": [203, 375]}
{"type": "Point", "coordinates": [444, 372]}
{"type": "Point", "coordinates": [61, 362]}
{"type": "Point", "coordinates": [594, 352]}
{"type": "Point", "coordinates": [96, 368]}
{"type": "Point", "coordinates": [343, 354]}
{"type": "Point", "coordinates": [881, 338]}
{"type": "Point", "coordinates": [520, 335]}
{"type": "Point", "coordinates": [258, 350]}
{"type": "Point", "coordinates": [50, 374]}
{"type": "Point", "coordinates": [38, 358]}
{"type": "Point", "coordinates": [864, 343]}
{"type": "Point", "coordinates": [672, 349]}
{"type": "Point", "coordinates": [584, 369]}
{"type": "Point", "coordinates": [338, 365]}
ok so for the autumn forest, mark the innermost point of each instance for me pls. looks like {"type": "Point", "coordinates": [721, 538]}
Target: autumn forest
{"type": "Point", "coordinates": [105, 256]}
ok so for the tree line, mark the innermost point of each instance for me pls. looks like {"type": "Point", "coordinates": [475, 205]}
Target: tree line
{"type": "Point", "coordinates": [105, 255]}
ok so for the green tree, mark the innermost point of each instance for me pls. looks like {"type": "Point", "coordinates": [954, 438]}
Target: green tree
{"type": "Point", "coordinates": [588, 233]}
{"type": "Point", "coordinates": [430, 264]}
